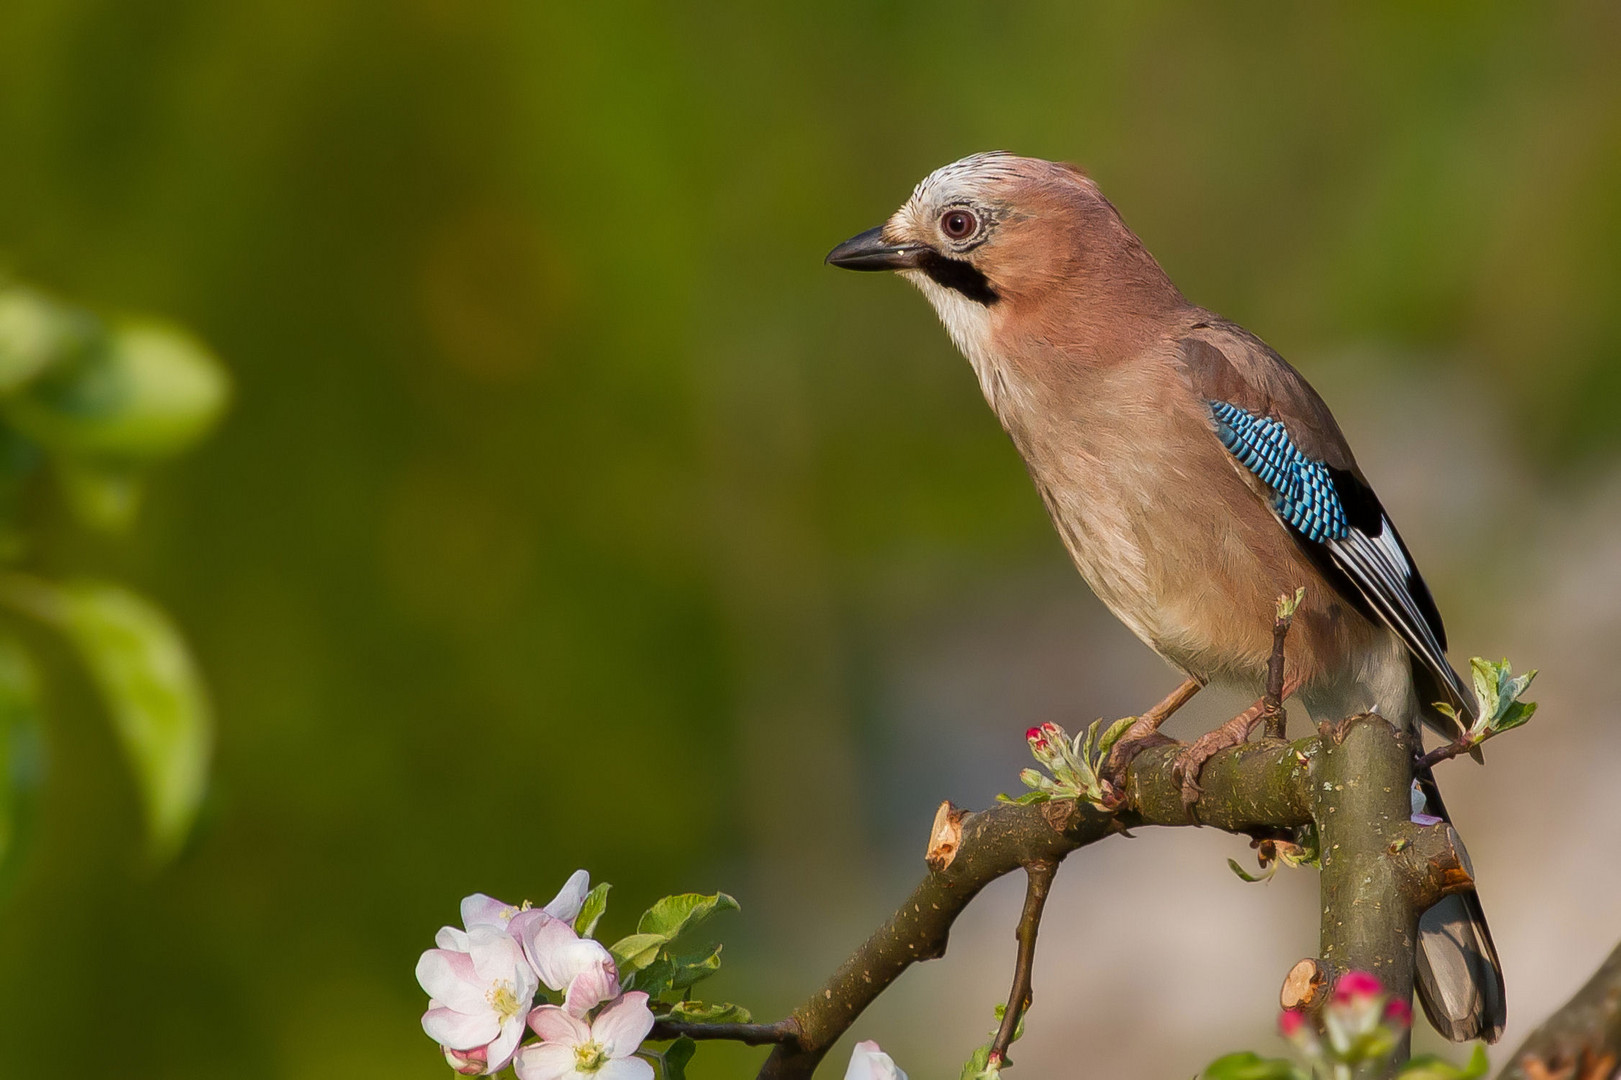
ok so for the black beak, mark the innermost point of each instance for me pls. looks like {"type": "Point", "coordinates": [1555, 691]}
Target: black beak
{"type": "Point", "coordinates": [870, 251]}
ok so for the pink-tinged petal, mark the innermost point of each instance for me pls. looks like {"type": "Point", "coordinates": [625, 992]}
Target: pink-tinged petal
{"type": "Point", "coordinates": [556, 953]}
{"type": "Point", "coordinates": [591, 988]}
{"type": "Point", "coordinates": [622, 1026]}
{"type": "Point", "coordinates": [496, 956]}
{"type": "Point", "coordinates": [537, 932]}
{"type": "Point", "coordinates": [545, 1061]}
{"type": "Point", "coordinates": [481, 910]}
{"type": "Point", "coordinates": [459, 1030]}
{"type": "Point", "coordinates": [451, 938]}
{"type": "Point", "coordinates": [1426, 819]}
{"type": "Point", "coordinates": [467, 1062]}
{"type": "Point", "coordinates": [1357, 984]}
{"type": "Point", "coordinates": [570, 898]}
{"type": "Point", "coordinates": [556, 1026]}
{"type": "Point", "coordinates": [627, 1068]}
{"type": "Point", "coordinates": [505, 1044]}
{"type": "Point", "coordinates": [868, 1062]}
{"type": "Point", "coordinates": [450, 979]}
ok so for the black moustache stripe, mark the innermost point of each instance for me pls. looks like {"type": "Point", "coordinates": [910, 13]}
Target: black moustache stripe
{"type": "Point", "coordinates": [959, 276]}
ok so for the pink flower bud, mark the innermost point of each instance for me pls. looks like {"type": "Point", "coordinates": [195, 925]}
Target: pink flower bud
{"type": "Point", "coordinates": [467, 1062]}
{"type": "Point", "coordinates": [1399, 1013]}
{"type": "Point", "coordinates": [1355, 985]}
{"type": "Point", "coordinates": [1290, 1021]}
{"type": "Point", "coordinates": [1036, 738]}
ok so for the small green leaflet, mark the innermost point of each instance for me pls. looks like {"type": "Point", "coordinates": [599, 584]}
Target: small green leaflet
{"type": "Point", "coordinates": [596, 902]}
{"type": "Point", "coordinates": [636, 951]}
{"type": "Point", "coordinates": [1430, 1067]}
{"type": "Point", "coordinates": [674, 914]}
{"type": "Point", "coordinates": [676, 1056]}
{"type": "Point", "coordinates": [1249, 1066]}
{"type": "Point", "coordinates": [718, 1013]}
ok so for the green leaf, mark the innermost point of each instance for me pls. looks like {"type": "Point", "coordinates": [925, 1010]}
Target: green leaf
{"type": "Point", "coordinates": [690, 970]}
{"type": "Point", "coordinates": [676, 1056]}
{"type": "Point", "coordinates": [654, 979]}
{"type": "Point", "coordinates": [1246, 875]}
{"type": "Point", "coordinates": [596, 902]}
{"type": "Point", "coordinates": [1288, 605]}
{"type": "Point", "coordinates": [675, 914]}
{"type": "Point", "coordinates": [1484, 674]}
{"type": "Point", "coordinates": [35, 333]}
{"type": "Point", "coordinates": [1515, 715]}
{"type": "Point", "coordinates": [1026, 799]}
{"type": "Point", "coordinates": [22, 753]}
{"type": "Point", "coordinates": [721, 1012]}
{"type": "Point", "coordinates": [149, 684]}
{"type": "Point", "coordinates": [636, 951]}
{"type": "Point", "coordinates": [143, 391]}
{"type": "Point", "coordinates": [1249, 1066]}
{"type": "Point", "coordinates": [1113, 735]}
{"type": "Point", "coordinates": [1429, 1067]}
{"type": "Point", "coordinates": [977, 1067]}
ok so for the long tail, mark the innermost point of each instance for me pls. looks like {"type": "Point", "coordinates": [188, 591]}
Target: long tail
{"type": "Point", "coordinates": [1459, 978]}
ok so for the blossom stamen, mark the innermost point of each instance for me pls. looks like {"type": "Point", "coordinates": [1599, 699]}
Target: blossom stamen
{"type": "Point", "coordinates": [590, 1056]}
{"type": "Point", "coordinates": [504, 1000]}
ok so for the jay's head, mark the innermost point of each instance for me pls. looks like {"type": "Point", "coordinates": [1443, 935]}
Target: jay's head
{"type": "Point", "coordinates": [996, 231]}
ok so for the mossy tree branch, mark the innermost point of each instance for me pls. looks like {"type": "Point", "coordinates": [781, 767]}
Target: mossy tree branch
{"type": "Point", "coordinates": [1257, 789]}
{"type": "Point", "coordinates": [1582, 1041]}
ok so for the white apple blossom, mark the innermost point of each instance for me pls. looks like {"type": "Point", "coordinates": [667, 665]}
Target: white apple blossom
{"type": "Point", "coordinates": [579, 967]}
{"type": "Point", "coordinates": [482, 910]}
{"type": "Point", "coordinates": [478, 997]}
{"type": "Point", "coordinates": [867, 1062]}
{"type": "Point", "coordinates": [571, 1048]}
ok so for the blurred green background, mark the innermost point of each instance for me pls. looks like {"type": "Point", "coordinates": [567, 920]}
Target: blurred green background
{"type": "Point", "coordinates": [571, 513]}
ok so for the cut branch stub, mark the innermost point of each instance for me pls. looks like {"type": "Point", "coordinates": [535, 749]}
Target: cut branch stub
{"type": "Point", "coordinates": [1430, 862]}
{"type": "Point", "coordinates": [1307, 985]}
{"type": "Point", "coordinates": [945, 837]}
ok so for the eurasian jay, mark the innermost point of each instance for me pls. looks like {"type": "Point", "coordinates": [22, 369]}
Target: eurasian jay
{"type": "Point", "coordinates": [1194, 477]}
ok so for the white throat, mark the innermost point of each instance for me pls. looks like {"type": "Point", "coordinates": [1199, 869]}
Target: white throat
{"type": "Point", "coordinates": [969, 324]}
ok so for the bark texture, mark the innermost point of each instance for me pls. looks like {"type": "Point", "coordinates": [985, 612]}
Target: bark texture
{"type": "Point", "coordinates": [1582, 1041]}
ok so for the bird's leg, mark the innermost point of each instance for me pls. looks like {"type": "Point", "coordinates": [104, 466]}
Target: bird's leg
{"type": "Point", "coordinates": [1145, 732]}
{"type": "Point", "coordinates": [1235, 732]}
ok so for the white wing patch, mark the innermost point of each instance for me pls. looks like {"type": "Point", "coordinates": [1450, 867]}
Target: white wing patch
{"type": "Point", "coordinates": [1383, 574]}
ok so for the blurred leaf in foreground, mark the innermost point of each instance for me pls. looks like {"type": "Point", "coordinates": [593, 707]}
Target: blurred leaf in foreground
{"type": "Point", "coordinates": [22, 759]}
{"type": "Point", "coordinates": [149, 684]}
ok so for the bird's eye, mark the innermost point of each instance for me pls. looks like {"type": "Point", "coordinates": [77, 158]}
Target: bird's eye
{"type": "Point", "coordinates": [958, 224]}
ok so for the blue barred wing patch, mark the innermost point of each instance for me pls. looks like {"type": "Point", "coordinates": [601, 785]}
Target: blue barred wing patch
{"type": "Point", "coordinates": [1302, 491]}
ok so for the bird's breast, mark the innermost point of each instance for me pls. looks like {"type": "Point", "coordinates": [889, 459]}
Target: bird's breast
{"type": "Point", "coordinates": [1156, 518]}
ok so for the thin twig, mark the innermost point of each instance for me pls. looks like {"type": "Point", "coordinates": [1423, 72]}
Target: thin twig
{"type": "Point", "coordinates": [1272, 714]}
{"type": "Point", "coordinates": [1038, 883]}
{"type": "Point", "coordinates": [1463, 744]}
{"type": "Point", "coordinates": [782, 1031]}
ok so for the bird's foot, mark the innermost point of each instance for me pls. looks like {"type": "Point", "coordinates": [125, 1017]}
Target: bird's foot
{"type": "Point", "coordinates": [1145, 733]}
{"type": "Point", "coordinates": [1191, 761]}
{"type": "Point", "coordinates": [1139, 737]}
